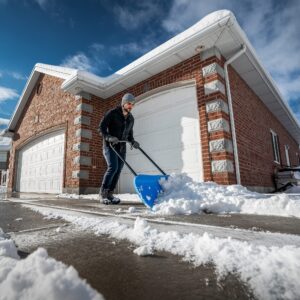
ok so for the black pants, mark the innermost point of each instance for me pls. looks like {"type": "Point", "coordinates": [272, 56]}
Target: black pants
{"type": "Point", "coordinates": [114, 167]}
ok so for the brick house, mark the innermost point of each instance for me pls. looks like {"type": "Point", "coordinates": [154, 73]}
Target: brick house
{"type": "Point", "coordinates": [205, 106]}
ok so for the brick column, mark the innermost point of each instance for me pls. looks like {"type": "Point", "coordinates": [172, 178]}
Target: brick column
{"type": "Point", "coordinates": [83, 136]}
{"type": "Point", "coordinates": [220, 151]}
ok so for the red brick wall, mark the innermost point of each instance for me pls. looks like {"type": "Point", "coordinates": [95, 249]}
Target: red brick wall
{"type": "Point", "coordinates": [55, 109]}
{"type": "Point", "coordinates": [189, 69]}
{"type": "Point", "coordinates": [253, 122]}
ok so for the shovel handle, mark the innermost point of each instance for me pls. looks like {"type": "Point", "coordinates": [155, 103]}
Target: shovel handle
{"type": "Point", "coordinates": [147, 157]}
{"type": "Point", "coordinates": [123, 160]}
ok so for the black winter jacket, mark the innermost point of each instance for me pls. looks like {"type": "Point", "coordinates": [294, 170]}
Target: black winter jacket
{"type": "Point", "coordinates": [114, 123]}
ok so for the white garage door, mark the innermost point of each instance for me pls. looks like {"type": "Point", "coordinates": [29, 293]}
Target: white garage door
{"type": "Point", "coordinates": [167, 128]}
{"type": "Point", "coordinates": [40, 165]}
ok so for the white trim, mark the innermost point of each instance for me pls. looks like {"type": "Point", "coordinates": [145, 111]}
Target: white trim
{"type": "Point", "coordinates": [275, 146]}
{"type": "Point", "coordinates": [287, 155]}
{"type": "Point", "coordinates": [231, 114]}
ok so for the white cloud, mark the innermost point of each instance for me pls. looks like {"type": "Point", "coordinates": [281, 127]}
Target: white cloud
{"type": "Point", "coordinates": [7, 93]}
{"type": "Point", "coordinates": [132, 18]}
{"type": "Point", "coordinates": [43, 4]}
{"type": "Point", "coordinates": [79, 61]}
{"type": "Point", "coordinates": [271, 26]}
{"type": "Point", "coordinates": [97, 47]}
{"type": "Point", "coordinates": [133, 48]}
{"type": "Point", "coordinates": [93, 63]}
{"type": "Point", "coordinates": [17, 75]}
{"type": "Point", "coordinates": [4, 121]}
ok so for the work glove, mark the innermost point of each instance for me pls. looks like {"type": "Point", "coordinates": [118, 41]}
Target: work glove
{"type": "Point", "coordinates": [135, 145]}
{"type": "Point", "coordinates": [112, 139]}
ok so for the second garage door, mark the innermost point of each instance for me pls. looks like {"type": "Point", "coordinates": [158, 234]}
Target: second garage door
{"type": "Point", "coordinates": [40, 165]}
{"type": "Point", "coordinates": [167, 127]}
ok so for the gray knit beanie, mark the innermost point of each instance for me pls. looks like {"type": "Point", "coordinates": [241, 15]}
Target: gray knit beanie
{"type": "Point", "coordinates": [127, 98]}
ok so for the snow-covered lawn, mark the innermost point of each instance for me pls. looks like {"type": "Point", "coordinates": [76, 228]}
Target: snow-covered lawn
{"type": "Point", "coordinates": [184, 196]}
{"type": "Point", "coordinates": [38, 277]}
{"type": "Point", "coordinates": [270, 272]}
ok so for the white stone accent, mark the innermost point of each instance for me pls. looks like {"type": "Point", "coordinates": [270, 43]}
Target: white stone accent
{"type": "Point", "coordinates": [218, 125]}
{"type": "Point", "coordinates": [82, 160]}
{"type": "Point", "coordinates": [81, 147]}
{"type": "Point", "coordinates": [214, 86]}
{"type": "Point", "coordinates": [84, 107]}
{"type": "Point", "coordinates": [220, 145]}
{"type": "Point", "coordinates": [86, 133]}
{"type": "Point", "coordinates": [85, 95]}
{"type": "Point", "coordinates": [217, 105]}
{"type": "Point", "coordinates": [83, 174]}
{"type": "Point", "coordinates": [213, 69]}
{"type": "Point", "coordinates": [219, 166]}
{"type": "Point", "coordinates": [82, 120]}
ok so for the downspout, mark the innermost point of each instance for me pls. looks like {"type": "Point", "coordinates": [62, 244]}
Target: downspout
{"type": "Point", "coordinates": [235, 149]}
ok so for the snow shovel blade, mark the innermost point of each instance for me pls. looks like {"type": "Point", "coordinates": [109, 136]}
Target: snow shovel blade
{"type": "Point", "coordinates": [148, 188]}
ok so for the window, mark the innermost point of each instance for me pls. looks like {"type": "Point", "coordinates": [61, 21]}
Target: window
{"type": "Point", "coordinates": [287, 155]}
{"type": "Point", "coordinates": [275, 144]}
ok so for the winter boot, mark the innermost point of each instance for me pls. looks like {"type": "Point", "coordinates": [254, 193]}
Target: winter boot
{"type": "Point", "coordinates": [112, 198]}
{"type": "Point", "coordinates": [103, 196]}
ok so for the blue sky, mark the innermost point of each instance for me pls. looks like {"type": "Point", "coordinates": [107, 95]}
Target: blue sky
{"type": "Point", "coordinates": [102, 36]}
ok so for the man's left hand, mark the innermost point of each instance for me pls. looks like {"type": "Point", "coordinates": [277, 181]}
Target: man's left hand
{"type": "Point", "coordinates": [135, 144]}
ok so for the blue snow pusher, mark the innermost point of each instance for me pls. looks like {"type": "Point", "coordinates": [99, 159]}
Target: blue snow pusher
{"type": "Point", "coordinates": [147, 186]}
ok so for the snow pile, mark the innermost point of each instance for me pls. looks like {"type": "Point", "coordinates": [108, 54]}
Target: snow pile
{"type": "Point", "coordinates": [271, 272]}
{"type": "Point", "coordinates": [184, 196]}
{"type": "Point", "coordinates": [38, 277]}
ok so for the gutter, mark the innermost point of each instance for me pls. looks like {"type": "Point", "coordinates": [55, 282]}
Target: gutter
{"type": "Point", "coordinates": [231, 115]}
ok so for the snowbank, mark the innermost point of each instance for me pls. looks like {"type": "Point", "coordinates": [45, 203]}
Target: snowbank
{"type": "Point", "coordinates": [271, 272]}
{"type": "Point", "coordinates": [184, 196]}
{"type": "Point", "coordinates": [38, 277]}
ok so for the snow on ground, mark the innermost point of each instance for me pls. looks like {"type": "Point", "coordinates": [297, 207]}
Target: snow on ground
{"type": "Point", "coordinates": [123, 197]}
{"type": "Point", "coordinates": [38, 276]}
{"type": "Point", "coordinates": [184, 196]}
{"type": "Point", "coordinates": [270, 272]}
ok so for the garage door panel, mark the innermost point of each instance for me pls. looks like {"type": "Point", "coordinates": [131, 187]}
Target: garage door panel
{"type": "Point", "coordinates": [167, 127]}
{"type": "Point", "coordinates": [163, 119]}
{"type": "Point", "coordinates": [40, 165]}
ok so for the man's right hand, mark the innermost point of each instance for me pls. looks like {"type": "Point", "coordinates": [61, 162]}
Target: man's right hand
{"type": "Point", "coordinates": [112, 139]}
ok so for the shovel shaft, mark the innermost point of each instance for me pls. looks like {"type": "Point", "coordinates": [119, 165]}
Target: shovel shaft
{"type": "Point", "coordinates": [147, 157]}
{"type": "Point", "coordinates": [123, 160]}
{"type": "Point", "coordinates": [152, 161]}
